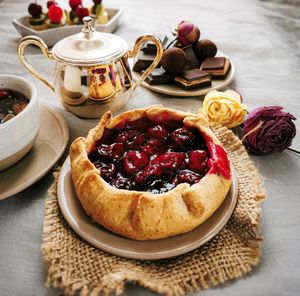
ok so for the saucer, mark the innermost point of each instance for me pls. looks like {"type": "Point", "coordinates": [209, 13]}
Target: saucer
{"type": "Point", "coordinates": [174, 90]}
{"type": "Point", "coordinates": [51, 142]}
{"type": "Point", "coordinates": [112, 243]}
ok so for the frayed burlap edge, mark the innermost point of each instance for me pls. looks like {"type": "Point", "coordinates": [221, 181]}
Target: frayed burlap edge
{"type": "Point", "coordinates": [75, 266]}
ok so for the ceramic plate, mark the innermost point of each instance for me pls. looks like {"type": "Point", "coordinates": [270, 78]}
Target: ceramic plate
{"type": "Point", "coordinates": [53, 35]}
{"type": "Point", "coordinates": [173, 90]}
{"type": "Point", "coordinates": [124, 247]}
{"type": "Point", "coordinates": [50, 144]}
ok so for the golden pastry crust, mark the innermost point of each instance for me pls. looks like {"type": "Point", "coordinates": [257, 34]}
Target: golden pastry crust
{"type": "Point", "coordinates": [143, 215]}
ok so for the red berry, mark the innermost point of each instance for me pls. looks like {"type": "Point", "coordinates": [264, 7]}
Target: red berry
{"type": "Point", "coordinates": [55, 14]}
{"type": "Point", "coordinates": [183, 138]}
{"type": "Point", "coordinates": [134, 161]}
{"type": "Point", "coordinates": [81, 12]}
{"type": "Point", "coordinates": [126, 136]}
{"type": "Point", "coordinates": [198, 161]}
{"type": "Point", "coordinates": [111, 152]}
{"type": "Point", "coordinates": [107, 170]}
{"type": "Point", "coordinates": [157, 135]}
{"type": "Point", "coordinates": [137, 142]}
{"type": "Point", "coordinates": [4, 94]}
{"type": "Point", "coordinates": [35, 10]}
{"type": "Point", "coordinates": [75, 3]}
{"type": "Point", "coordinates": [50, 3]}
{"type": "Point", "coordinates": [170, 161]}
{"type": "Point", "coordinates": [151, 172]}
{"type": "Point", "coordinates": [186, 176]}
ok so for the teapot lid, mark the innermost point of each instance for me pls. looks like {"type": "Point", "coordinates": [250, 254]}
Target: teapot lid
{"type": "Point", "coordinates": [89, 47]}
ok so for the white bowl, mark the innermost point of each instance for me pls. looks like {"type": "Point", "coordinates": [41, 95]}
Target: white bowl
{"type": "Point", "coordinates": [19, 134]}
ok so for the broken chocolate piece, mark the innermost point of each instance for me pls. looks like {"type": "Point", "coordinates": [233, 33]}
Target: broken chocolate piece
{"type": "Point", "coordinates": [150, 48]}
{"type": "Point", "coordinates": [159, 76]}
{"type": "Point", "coordinates": [143, 62]}
{"type": "Point", "coordinates": [193, 79]}
{"type": "Point", "coordinates": [192, 61]}
{"type": "Point", "coordinates": [217, 67]}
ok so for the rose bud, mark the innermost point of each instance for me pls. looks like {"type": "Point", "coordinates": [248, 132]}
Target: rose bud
{"type": "Point", "coordinates": [268, 130]}
{"type": "Point", "coordinates": [187, 33]}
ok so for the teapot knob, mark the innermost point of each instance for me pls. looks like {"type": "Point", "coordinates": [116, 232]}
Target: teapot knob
{"type": "Point", "coordinates": [89, 26]}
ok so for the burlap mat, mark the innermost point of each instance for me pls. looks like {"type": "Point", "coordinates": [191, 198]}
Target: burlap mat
{"type": "Point", "coordinates": [75, 266]}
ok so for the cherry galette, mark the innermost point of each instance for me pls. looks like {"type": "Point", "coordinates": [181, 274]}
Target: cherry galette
{"type": "Point", "coordinates": [150, 173]}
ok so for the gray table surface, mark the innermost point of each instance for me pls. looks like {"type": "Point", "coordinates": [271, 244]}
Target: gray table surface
{"type": "Point", "coordinates": [262, 39]}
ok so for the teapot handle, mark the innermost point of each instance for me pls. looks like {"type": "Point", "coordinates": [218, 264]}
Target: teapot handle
{"type": "Point", "coordinates": [132, 53]}
{"type": "Point", "coordinates": [34, 40]}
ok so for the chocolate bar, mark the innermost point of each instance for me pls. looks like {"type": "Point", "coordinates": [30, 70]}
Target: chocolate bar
{"type": "Point", "coordinates": [192, 61]}
{"type": "Point", "coordinates": [217, 67]}
{"type": "Point", "coordinates": [143, 62]}
{"type": "Point", "coordinates": [159, 76]}
{"type": "Point", "coordinates": [193, 79]}
{"type": "Point", "coordinates": [151, 49]}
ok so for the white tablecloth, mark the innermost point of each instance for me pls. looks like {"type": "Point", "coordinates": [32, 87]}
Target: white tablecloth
{"type": "Point", "coordinates": [262, 39]}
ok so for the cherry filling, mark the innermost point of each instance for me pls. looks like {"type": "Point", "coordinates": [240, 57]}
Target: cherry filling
{"type": "Point", "coordinates": [144, 155]}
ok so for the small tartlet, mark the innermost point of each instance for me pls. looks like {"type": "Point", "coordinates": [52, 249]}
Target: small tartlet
{"type": "Point", "coordinates": [143, 215]}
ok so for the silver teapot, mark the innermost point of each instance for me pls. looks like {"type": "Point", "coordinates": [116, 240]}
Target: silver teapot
{"type": "Point", "coordinates": [92, 73]}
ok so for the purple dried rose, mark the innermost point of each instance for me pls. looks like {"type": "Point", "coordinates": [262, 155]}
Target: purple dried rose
{"type": "Point", "coordinates": [187, 33]}
{"type": "Point", "coordinates": [268, 130]}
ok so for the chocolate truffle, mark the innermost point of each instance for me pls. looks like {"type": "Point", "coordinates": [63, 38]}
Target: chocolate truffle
{"type": "Point", "coordinates": [205, 49]}
{"type": "Point", "coordinates": [174, 60]}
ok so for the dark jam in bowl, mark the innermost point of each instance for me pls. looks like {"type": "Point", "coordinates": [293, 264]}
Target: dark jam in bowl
{"type": "Point", "coordinates": [11, 104]}
{"type": "Point", "coordinates": [147, 156]}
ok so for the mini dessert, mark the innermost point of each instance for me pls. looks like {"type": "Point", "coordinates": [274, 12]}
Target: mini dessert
{"type": "Point", "coordinates": [98, 10]}
{"type": "Point", "coordinates": [205, 49]}
{"type": "Point", "coordinates": [11, 104]}
{"type": "Point", "coordinates": [217, 67]}
{"type": "Point", "coordinates": [174, 60]}
{"type": "Point", "coordinates": [193, 79]}
{"type": "Point", "coordinates": [56, 15]}
{"type": "Point", "coordinates": [150, 48]}
{"type": "Point", "coordinates": [37, 19]}
{"type": "Point", "coordinates": [143, 62]}
{"type": "Point", "coordinates": [77, 13]}
{"type": "Point", "coordinates": [187, 33]}
{"type": "Point", "coordinates": [159, 76]}
{"type": "Point", "coordinates": [192, 61]}
{"type": "Point", "coordinates": [150, 173]}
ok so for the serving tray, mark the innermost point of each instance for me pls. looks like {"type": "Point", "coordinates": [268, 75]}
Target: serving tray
{"type": "Point", "coordinates": [53, 35]}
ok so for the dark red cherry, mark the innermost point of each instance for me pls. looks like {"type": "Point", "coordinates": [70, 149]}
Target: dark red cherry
{"type": "Point", "coordinates": [170, 161]}
{"type": "Point", "coordinates": [124, 183]}
{"type": "Point", "coordinates": [151, 172]}
{"type": "Point", "coordinates": [81, 12]}
{"type": "Point", "coordinates": [107, 170]}
{"type": "Point", "coordinates": [157, 135]}
{"type": "Point", "coordinates": [4, 93]}
{"type": "Point", "coordinates": [74, 4]}
{"type": "Point", "coordinates": [55, 14]}
{"type": "Point", "coordinates": [186, 176]}
{"type": "Point", "coordinates": [150, 150]}
{"type": "Point", "coordinates": [183, 138]}
{"type": "Point", "coordinates": [137, 142]}
{"type": "Point", "coordinates": [197, 161]}
{"type": "Point", "coordinates": [35, 10]}
{"type": "Point", "coordinates": [126, 136]}
{"type": "Point", "coordinates": [111, 152]}
{"type": "Point", "coordinates": [134, 161]}
{"type": "Point", "coordinates": [50, 3]}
